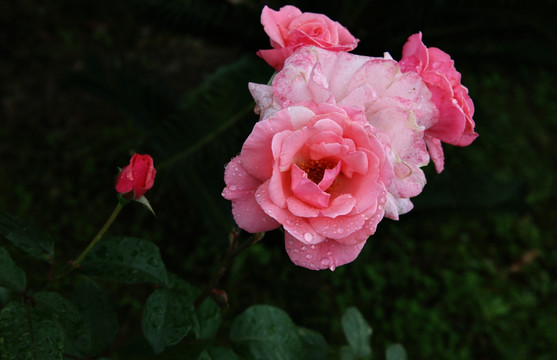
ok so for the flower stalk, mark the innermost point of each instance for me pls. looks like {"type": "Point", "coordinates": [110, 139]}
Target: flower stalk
{"type": "Point", "coordinates": [101, 232]}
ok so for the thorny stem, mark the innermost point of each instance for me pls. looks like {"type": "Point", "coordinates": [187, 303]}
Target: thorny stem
{"type": "Point", "coordinates": [233, 251]}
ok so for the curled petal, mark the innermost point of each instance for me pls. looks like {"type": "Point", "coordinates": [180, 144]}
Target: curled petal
{"type": "Point", "coordinates": [327, 254]}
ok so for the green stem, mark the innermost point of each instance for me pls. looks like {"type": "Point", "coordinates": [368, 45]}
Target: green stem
{"type": "Point", "coordinates": [99, 235]}
{"type": "Point", "coordinates": [207, 138]}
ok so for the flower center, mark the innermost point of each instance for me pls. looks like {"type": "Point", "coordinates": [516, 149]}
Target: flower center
{"type": "Point", "coordinates": [316, 168]}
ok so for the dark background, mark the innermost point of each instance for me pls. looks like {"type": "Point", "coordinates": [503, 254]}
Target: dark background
{"type": "Point", "coordinates": [468, 274]}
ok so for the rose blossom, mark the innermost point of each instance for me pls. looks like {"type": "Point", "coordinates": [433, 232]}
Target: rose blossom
{"type": "Point", "coordinates": [455, 125]}
{"type": "Point", "coordinates": [289, 29]}
{"type": "Point", "coordinates": [136, 178]}
{"type": "Point", "coordinates": [319, 170]}
{"type": "Point", "coordinates": [399, 104]}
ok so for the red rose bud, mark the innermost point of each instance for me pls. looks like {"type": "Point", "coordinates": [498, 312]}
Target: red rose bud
{"type": "Point", "coordinates": [135, 179]}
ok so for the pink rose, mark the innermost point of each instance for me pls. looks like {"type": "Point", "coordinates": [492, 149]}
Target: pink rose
{"type": "Point", "coordinates": [395, 103]}
{"type": "Point", "coordinates": [455, 125]}
{"type": "Point", "coordinates": [319, 170]}
{"type": "Point", "coordinates": [289, 29]}
{"type": "Point", "coordinates": [136, 178]}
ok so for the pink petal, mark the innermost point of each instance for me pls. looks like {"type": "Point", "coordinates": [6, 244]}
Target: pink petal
{"type": "Point", "coordinates": [272, 21]}
{"type": "Point", "coordinates": [298, 227]}
{"type": "Point", "coordinates": [329, 177]}
{"type": "Point", "coordinates": [340, 205]}
{"type": "Point", "coordinates": [306, 190]}
{"type": "Point", "coordinates": [263, 96]}
{"type": "Point", "coordinates": [436, 152]}
{"type": "Point", "coordinates": [327, 254]}
{"type": "Point", "coordinates": [415, 56]}
{"type": "Point", "coordinates": [275, 57]}
{"type": "Point", "coordinates": [339, 227]}
{"type": "Point", "coordinates": [249, 215]}
{"type": "Point", "coordinates": [257, 157]}
{"type": "Point", "coordinates": [240, 189]}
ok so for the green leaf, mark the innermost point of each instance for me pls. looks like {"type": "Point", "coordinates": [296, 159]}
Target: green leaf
{"type": "Point", "coordinates": [357, 332]}
{"type": "Point", "coordinates": [126, 259]}
{"type": "Point", "coordinates": [167, 318]}
{"type": "Point", "coordinates": [346, 353]}
{"type": "Point", "coordinates": [27, 237]}
{"type": "Point", "coordinates": [48, 340]}
{"type": "Point", "coordinates": [395, 352]}
{"type": "Point", "coordinates": [208, 320]}
{"type": "Point", "coordinates": [99, 321]}
{"type": "Point", "coordinates": [314, 344]}
{"type": "Point", "coordinates": [22, 337]}
{"type": "Point", "coordinates": [218, 353]}
{"type": "Point", "coordinates": [266, 332]}
{"type": "Point", "coordinates": [207, 317]}
{"type": "Point", "coordinates": [11, 276]}
{"type": "Point", "coordinates": [53, 306]}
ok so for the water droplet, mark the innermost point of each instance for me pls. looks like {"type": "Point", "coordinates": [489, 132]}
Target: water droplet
{"type": "Point", "coordinates": [309, 256]}
{"type": "Point", "coordinates": [312, 265]}
{"type": "Point", "coordinates": [290, 242]}
{"type": "Point", "coordinates": [329, 253]}
{"type": "Point", "coordinates": [325, 261]}
{"type": "Point", "coordinates": [340, 230]}
{"type": "Point", "coordinates": [313, 247]}
{"type": "Point", "coordinates": [304, 248]}
{"type": "Point", "coordinates": [308, 236]}
{"type": "Point", "coordinates": [233, 187]}
{"type": "Point", "coordinates": [380, 207]}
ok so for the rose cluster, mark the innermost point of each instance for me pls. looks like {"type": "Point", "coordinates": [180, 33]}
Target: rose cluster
{"type": "Point", "coordinates": [341, 138]}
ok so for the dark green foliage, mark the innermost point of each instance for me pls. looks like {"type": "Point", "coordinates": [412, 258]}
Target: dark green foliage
{"type": "Point", "coordinates": [99, 320]}
{"type": "Point", "coordinates": [51, 305]}
{"type": "Point", "coordinates": [357, 332]}
{"type": "Point", "coordinates": [167, 318]}
{"type": "Point", "coordinates": [11, 276]}
{"type": "Point", "coordinates": [468, 274]}
{"type": "Point", "coordinates": [126, 259]}
{"type": "Point", "coordinates": [395, 352]}
{"type": "Point", "coordinates": [27, 237]}
{"type": "Point", "coordinates": [314, 344]}
{"type": "Point", "coordinates": [27, 337]}
{"type": "Point", "coordinates": [265, 332]}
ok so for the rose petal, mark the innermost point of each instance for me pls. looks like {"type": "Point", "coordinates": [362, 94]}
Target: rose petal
{"type": "Point", "coordinates": [327, 254]}
{"type": "Point", "coordinates": [306, 190]}
{"type": "Point", "coordinates": [240, 189]}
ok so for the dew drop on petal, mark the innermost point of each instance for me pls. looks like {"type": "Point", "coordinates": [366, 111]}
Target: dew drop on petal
{"type": "Point", "coordinates": [313, 247]}
{"type": "Point", "coordinates": [309, 256]}
{"type": "Point", "coordinates": [233, 187]}
{"type": "Point", "coordinates": [308, 236]}
{"type": "Point", "coordinates": [340, 230]}
{"type": "Point", "coordinates": [325, 261]}
{"type": "Point", "coordinates": [304, 248]}
{"type": "Point", "coordinates": [329, 253]}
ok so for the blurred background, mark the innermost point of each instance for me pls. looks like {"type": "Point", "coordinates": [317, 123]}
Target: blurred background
{"type": "Point", "coordinates": [468, 274]}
